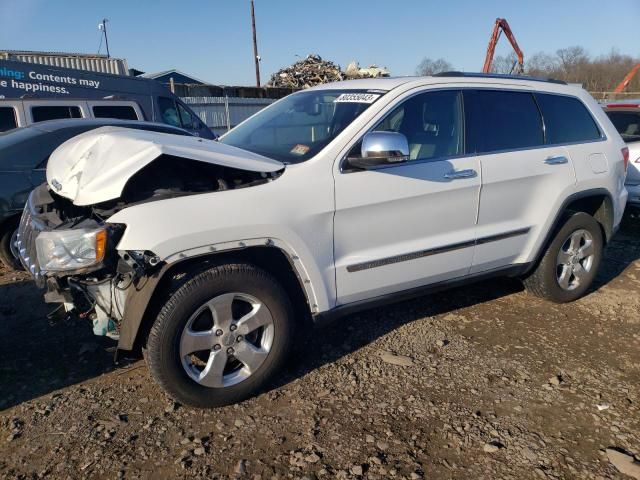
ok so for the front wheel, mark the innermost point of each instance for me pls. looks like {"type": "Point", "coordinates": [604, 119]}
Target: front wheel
{"type": "Point", "coordinates": [221, 336]}
{"type": "Point", "coordinates": [571, 261]}
{"type": "Point", "coordinates": [8, 247]}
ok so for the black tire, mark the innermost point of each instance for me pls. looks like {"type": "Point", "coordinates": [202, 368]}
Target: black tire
{"type": "Point", "coordinates": [162, 347]}
{"type": "Point", "coordinates": [544, 283]}
{"type": "Point", "coordinates": [6, 255]}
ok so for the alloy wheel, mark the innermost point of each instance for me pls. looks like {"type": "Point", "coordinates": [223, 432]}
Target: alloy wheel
{"type": "Point", "coordinates": [575, 260]}
{"type": "Point", "coordinates": [226, 340]}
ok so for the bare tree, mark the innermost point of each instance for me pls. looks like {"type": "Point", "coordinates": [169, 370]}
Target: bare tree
{"type": "Point", "coordinates": [572, 57]}
{"type": "Point", "coordinates": [541, 64]}
{"type": "Point", "coordinates": [571, 64]}
{"type": "Point", "coordinates": [610, 69]}
{"type": "Point", "coordinates": [429, 66]}
{"type": "Point", "coordinates": [504, 63]}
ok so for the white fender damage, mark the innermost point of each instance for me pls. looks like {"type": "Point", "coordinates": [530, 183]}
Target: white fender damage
{"type": "Point", "coordinates": [95, 166]}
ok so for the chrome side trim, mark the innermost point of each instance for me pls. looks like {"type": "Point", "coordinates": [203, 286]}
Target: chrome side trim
{"type": "Point", "coordinates": [357, 267]}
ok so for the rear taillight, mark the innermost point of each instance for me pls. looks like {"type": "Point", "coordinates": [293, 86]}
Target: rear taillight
{"type": "Point", "coordinates": [625, 157]}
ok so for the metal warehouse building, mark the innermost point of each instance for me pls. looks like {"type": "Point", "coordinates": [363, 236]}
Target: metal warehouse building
{"type": "Point", "coordinates": [79, 61]}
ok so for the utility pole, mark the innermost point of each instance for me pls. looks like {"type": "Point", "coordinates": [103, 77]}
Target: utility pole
{"type": "Point", "coordinates": [103, 27]}
{"type": "Point", "coordinates": [256, 57]}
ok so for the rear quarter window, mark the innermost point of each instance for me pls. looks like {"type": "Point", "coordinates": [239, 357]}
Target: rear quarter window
{"type": "Point", "coordinates": [501, 120]}
{"type": "Point", "coordinates": [566, 119]}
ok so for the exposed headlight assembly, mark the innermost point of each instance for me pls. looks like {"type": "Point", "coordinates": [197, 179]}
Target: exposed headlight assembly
{"type": "Point", "coordinates": [65, 250]}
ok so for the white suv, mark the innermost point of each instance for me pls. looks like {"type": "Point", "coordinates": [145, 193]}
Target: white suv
{"type": "Point", "coordinates": [209, 255]}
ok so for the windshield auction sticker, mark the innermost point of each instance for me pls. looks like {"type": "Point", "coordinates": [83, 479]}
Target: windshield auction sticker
{"type": "Point", "coordinates": [357, 98]}
{"type": "Point", "coordinates": [300, 149]}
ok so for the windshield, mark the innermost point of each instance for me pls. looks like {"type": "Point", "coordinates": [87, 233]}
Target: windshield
{"type": "Point", "coordinates": [627, 123]}
{"type": "Point", "coordinates": [300, 125]}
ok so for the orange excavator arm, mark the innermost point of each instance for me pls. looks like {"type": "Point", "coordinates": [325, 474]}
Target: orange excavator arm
{"type": "Point", "coordinates": [502, 25]}
{"type": "Point", "coordinates": [625, 81]}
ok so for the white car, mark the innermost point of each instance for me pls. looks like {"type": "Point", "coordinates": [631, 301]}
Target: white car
{"type": "Point", "coordinates": [210, 255]}
{"type": "Point", "coordinates": [625, 116]}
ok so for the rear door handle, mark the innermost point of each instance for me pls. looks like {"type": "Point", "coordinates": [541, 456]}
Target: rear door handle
{"type": "Point", "coordinates": [456, 174]}
{"type": "Point", "coordinates": [556, 160]}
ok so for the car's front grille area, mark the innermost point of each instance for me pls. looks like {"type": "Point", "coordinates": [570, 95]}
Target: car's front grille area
{"type": "Point", "coordinates": [29, 229]}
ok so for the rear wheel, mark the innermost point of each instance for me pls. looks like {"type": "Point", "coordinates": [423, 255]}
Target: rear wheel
{"type": "Point", "coordinates": [8, 247]}
{"type": "Point", "coordinates": [221, 336]}
{"type": "Point", "coordinates": [571, 261]}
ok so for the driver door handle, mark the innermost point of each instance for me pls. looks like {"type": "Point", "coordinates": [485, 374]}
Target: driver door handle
{"type": "Point", "coordinates": [456, 174]}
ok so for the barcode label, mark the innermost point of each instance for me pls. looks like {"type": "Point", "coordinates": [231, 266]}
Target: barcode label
{"type": "Point", "coordinates": [357, 98]}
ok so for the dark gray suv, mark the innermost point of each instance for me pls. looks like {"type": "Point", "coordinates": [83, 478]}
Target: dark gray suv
{"type": "Point", "coordinates": [23, 159]}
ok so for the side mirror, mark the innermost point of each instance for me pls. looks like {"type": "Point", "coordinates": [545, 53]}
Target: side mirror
{"type": "Point", "coordinates": [382, 148]}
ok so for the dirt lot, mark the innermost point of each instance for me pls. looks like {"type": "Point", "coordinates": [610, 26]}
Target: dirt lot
{"type": "Point", "coordinates": [497, 384]}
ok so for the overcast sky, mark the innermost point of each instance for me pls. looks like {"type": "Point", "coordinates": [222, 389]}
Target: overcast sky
{"type": "Point", "coordinates": [211, 39]}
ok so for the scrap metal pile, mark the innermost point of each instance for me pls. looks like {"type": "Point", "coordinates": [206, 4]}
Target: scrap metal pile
{"type": "Point", "coordinates": [313, 70]}
{"type": "Point", "coordinates": [306, 73]}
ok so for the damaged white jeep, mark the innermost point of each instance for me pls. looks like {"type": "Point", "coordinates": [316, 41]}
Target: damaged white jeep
{"type": "Point", "coordinates": [209, 255]}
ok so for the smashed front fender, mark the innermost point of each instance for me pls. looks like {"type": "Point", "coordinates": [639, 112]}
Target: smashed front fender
{"type": "Point", "coordinates": [137, 303]}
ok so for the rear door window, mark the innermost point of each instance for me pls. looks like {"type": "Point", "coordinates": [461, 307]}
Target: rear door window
{"type": "Point", "coordinates": [52, 112]}
{"type": "Point", "coordinates": [122, 112]}
{"type": "Point", "coordinates": [8, 119]}
{"type": "Point", "coordinates": [566, 119]}
{"type": "Point", "coordinates": [501, 120]}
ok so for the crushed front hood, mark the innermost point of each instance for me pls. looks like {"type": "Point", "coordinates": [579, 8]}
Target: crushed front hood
{"type": "Point", "coordinates": [95, 166]}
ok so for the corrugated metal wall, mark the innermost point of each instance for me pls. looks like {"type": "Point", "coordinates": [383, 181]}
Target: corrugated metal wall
{"type": "Point", "coordinates": [223, 113]}
{"type": "Point", "coordinates": [116, 66]}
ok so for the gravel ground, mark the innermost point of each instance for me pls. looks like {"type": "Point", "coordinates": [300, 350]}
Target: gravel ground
{"type": "Point", "coordinates": [483, 381]}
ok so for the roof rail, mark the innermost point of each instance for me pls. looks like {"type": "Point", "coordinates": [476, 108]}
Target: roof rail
{"type": "Point", "coordinates": [499, 76]}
